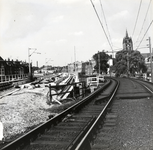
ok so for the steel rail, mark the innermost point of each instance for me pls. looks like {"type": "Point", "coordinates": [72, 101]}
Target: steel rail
{"type": "Point", "coordinates": [151, 91]}
{"type": "Point", "coordinates": [143, 83]}
{"type": "Point", "coordinates": [85, 142]}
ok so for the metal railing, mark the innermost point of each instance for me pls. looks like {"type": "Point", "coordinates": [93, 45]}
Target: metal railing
{"type": "Point", "coordinates": [74, 90]}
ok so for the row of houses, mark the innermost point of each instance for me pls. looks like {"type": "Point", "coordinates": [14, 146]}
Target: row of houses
{"type": "Point", "coordinates": [11, 70]}
{"type": "Point", "coordinates": [81, 68]}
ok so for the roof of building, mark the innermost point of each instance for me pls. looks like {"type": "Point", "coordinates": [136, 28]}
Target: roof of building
{"type": "Point", "coordinates": [145, 55]}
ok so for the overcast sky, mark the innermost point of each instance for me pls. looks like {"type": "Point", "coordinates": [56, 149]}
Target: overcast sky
{"type": "Point", "coordinates": [67, 30]}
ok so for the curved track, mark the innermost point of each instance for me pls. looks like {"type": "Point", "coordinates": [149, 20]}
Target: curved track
{"type": "Point", "coordinates": [127, 114]}
{"type": "Point", "coordinates": [86, 125]}
{"type": "Point", "coordinates": [63, 130]}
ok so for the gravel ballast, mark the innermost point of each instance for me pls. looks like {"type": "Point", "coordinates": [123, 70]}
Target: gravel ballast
{"type": "Point", "coordinates": [134, 129]}
{"type": "Point", "coordinates": [132, 125]}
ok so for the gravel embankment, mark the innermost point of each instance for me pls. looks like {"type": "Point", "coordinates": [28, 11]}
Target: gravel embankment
{"type": "Point", "coordinates": [23, 109]}
{"type": "Point", "coordinates": [134, 129]}
{"type": "Point", "coordinates": [131, 127]}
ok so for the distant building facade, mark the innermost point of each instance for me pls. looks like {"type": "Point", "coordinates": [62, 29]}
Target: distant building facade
{"type": "Point", "coordinates": [83, 68]}
{"type": "Point", "coordinates": [10, 69]}
{"type": "Point", "coordinates": [148, 61]}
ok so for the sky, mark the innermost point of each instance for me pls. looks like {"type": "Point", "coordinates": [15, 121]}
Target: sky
{"type": "Point", "coordinates": [59, 32]}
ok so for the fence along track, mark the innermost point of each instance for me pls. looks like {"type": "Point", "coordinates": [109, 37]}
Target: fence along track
{"type": "Point", "coordinates": [50, 136]}
{"type": "Point", "coordinates": [64, 91]}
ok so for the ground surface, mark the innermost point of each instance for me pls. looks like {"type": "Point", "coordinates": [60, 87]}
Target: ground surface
{"type": "Point", "coordinates": [134, 128]}
{"type": "Point", "coordinates": [24, 108]}
{"type": "Point", "coordinates": [129, 124]}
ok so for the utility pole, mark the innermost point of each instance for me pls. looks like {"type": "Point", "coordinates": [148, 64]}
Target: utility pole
{"type": "Point", "coordinates": [99, 61]}
{"type": "Point", "coordinates": [128, 64]}
{"type": "Point", "coordinates": [151, 65]}
{"type": "Point", "coordinates": [150, 58]}
{"type": "Point", "coordinates": [74, 60]}
{"type": "Point", "coordinates": [30, 64]}
{"type": "Point", "coordinates": [128, 59]}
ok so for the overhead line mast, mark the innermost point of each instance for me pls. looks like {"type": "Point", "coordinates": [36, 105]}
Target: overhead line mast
{"type": "Point", "coordinates": [144, 34]}
{"type": "Point", "coordinates": [101, 25]}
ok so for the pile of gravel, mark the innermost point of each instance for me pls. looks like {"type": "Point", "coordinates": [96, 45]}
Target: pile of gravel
{"type": "Point", "coordinates": [23, 109]}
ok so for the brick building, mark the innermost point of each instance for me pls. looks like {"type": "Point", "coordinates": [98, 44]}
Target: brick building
{"type": "Point", "coordinates": [10, 69]}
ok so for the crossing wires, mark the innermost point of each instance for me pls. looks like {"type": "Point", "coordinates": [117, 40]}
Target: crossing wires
{"type": "Point", "coordinates": [105, 21]}
{"type": "Point", "coordinates": [143, 21]}
{"type": "Point", "coordinates": [101, 25]}
{"type": "Point", "coordinates": [144, 34]}
{"type": "Point", "coordinates": [137, 18]}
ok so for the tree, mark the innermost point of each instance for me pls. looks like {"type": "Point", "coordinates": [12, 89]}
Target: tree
{"type": "Point", "coordinates": [101, 59]}
{"type": "Point", "coordinates": [136, 62]}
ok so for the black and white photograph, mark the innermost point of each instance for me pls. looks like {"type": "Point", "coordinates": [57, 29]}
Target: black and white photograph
{"type": "Point", "coordinates": [76, 74]}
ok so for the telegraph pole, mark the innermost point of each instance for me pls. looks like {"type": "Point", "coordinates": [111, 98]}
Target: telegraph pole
{"type": "Point", "coordinates": [99, 61]}
{"type": "Point", "coordinates": [74, 60]}
{"type": "Point", "coordinates": [151, 65]}
{"type": "Point", "coordinates": [30, 65]}
{"type": "Point", "coordinates": [29, 62]}
{"type": "Point", "coordinates": [128, 64]}
{"type": "Point", "coordinates": [150, 58]}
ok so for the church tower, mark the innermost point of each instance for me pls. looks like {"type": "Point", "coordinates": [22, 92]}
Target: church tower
{"type": "Point", "coordinates": [127, 42]}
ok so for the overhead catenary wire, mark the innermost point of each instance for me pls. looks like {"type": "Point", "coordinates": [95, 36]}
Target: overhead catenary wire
{"type": "Point", "coordinates": [137, 18]}
{"type": "Point", "coordinates": [105, 21]}
{"type": "Point", "coordinates": [144, 21]}
{"type": "Point", "coordinates": [144, 34]}
{"type": "Point", "coordinates": [101, 25]}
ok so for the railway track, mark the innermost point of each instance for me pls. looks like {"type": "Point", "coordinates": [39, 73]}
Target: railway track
{"type": "Point", "coordinates": [67, 128]}
{"type": "Point", "coordinates": [89, 124]}
{"type": "Point", "coordinates": [9, 84]}
{"type": "Point", "coordinates": [8, 87]}
{"type": "Point", "coordinates": [126, 121]}
{"type": "Point", "coordinates": [5, 85]}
